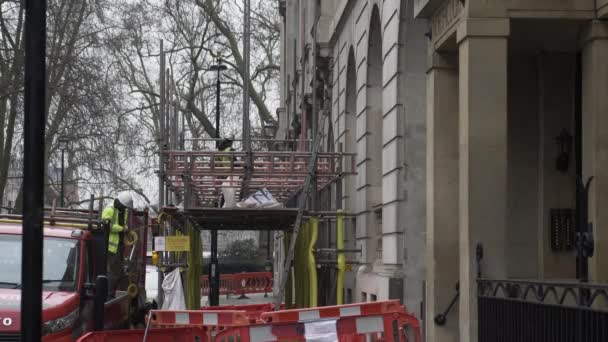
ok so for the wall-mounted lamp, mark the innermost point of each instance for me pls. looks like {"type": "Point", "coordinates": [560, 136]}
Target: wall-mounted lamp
{"type": "Point", "coordinates": [564, 145]}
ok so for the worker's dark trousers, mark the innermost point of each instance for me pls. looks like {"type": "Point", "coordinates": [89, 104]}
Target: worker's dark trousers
{"type": "Point", "coordinates": [114, 272]}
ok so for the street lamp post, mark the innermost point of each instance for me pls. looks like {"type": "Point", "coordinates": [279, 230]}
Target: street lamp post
{"type": "Point", "coordinates": [63, 146]}
{"type": "Point", "coordinates": [219, 67]}
{"type": "Point", "coordinates": [34, 67]}
{"type": "Point", "coordinates": [214, 272]}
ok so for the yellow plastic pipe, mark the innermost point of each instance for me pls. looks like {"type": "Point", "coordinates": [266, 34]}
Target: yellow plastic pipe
{"type": "Point", "coordinates": [312, 266]}
{"type": "Point", "coordinates": [341, 258]}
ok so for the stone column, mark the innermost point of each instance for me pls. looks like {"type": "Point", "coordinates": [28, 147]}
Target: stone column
{"type": "Point", "coordinates": [483, 158]}
{"type": "Point", "coordinates": [556, 189]}
{"type": "Point", "coordinates": [442, 195]}
{"type": "Point", "coordinates": [595, 140]}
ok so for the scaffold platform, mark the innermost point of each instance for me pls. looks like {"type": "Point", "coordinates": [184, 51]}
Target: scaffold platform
{"type": "Point", "coordinates": [266, 219]}
{"type": "Point", "coordinates": [206, 173]}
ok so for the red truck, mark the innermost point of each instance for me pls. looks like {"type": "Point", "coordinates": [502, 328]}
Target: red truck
{"type": "Point", "coordinates": [75, 298]}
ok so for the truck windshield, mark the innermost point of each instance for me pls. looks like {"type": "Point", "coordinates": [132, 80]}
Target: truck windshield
{"type": "Point", "coordinates": [60, 263]}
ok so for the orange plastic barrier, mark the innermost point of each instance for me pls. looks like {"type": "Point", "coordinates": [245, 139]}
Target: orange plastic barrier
{"type": "Point", "coordinates": [226, 284]}
{"type": "Point", "coordinates": [386, 327]}
{"type": "Point", "coordinates": [253, 282]}
{"type": "Point", "coordinates": [206, 318]}
{"type": "Point", "coordinates": [337, 311]}
{"type": "Point", "coordinates": [386, 321]}
{"type": "Point", "coordinates": [253, 311]}
{"type": "Point", "coordinates": [209, 321]}
{"type": "Point", "coordinates": [240, 283]}
{"type": "Point", "coordinates": [184, 334]}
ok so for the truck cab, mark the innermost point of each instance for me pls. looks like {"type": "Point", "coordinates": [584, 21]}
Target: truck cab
{"type": "Point", "coordinates": [73, 258]}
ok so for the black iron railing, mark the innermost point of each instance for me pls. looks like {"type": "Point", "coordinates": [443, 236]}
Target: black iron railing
{"type": "Point", "coordinates": [522, 311]}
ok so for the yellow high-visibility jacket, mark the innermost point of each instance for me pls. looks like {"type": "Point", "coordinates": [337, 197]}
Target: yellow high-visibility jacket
{"type": "Point", "coordinates": [110, 213]}
{"type": "Point", "coordinates": [224, 161]}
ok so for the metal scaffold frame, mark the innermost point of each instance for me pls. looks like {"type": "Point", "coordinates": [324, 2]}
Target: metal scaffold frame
{"type": "Point", "coordinates": [281, 173]}
{"type": "Point", "coordinates": [197, 178]}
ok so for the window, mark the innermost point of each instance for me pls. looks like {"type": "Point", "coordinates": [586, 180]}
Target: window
{"type": "Point", "coordinates": [59, 257]}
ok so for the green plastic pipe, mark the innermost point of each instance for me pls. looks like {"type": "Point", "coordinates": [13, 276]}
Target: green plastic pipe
{"type": "Point", "coordinates": [312, 266]}
{"type": "Point", "coordinates": [303, 262]}
{"type": "Point", "coordinates": [195, 268]}
{"type": "Point", "coordinates": [341, 258]}
{"type": "Point", "coordinates": [300, 274]}
{"type": "Point", "coordinates": [289, 284]}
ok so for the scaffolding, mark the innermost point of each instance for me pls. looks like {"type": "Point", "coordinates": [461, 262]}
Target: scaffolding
{"type": "Point", "coordinates": [197, 176]}
{"type": "Point", "coordinates": [203, 174]}
{"type": "Point", "coordinates": [197, 179]}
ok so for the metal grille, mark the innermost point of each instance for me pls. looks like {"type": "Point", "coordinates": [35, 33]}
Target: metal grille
{"type": "Point", "coordinates": [525, 311]}
{"type": "Point", "coordinates": [511, 320]}
{"type": "Point", "coordinates": [14, 337]}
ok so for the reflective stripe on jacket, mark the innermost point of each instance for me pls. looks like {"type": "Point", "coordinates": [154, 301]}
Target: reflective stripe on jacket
{"type": "Point", "coordinates": [110, 213]}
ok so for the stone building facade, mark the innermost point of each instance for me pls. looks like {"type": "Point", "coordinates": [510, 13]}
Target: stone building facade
{"type": "Point", "coordinates": [371, 61]}
{"type": "Point", "coordinates": [517, 113]}
{"type": "Point", "coordinates": [472, 121]}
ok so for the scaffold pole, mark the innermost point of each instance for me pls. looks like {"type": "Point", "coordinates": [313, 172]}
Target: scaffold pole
{"type": "Point", "coordinates": [302, 201]}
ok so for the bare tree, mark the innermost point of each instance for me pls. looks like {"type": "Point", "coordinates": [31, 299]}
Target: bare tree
{"type": "Point", "coordinates": [267, 33]}
{"type": "Point", "coordinates": [81, 99]}
{"type": "Point", "coordinates": [11, 71]}
{"type": "Point", "coordinates": [103, 86]}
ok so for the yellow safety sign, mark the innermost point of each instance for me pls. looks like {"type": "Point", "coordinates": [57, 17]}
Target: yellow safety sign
{"type": "Point", "coordinates": [177, 243]}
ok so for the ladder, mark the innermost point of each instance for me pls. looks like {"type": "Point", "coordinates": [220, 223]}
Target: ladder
{"type": "Point", "coordinates": [302, 199]}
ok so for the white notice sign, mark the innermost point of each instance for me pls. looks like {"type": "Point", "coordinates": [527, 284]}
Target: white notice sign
{"type": "Point", "coordinates": [323, 331]}
{"type": "Point", "coordinates": [159, 243]}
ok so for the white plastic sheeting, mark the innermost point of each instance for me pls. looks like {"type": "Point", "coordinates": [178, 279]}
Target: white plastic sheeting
{"type": "Point", "coordinates": [229, 192]}
{"type": "Point", "coordinates": [261, 199]}
{"type": "Point", "coordinates": [174, 291]}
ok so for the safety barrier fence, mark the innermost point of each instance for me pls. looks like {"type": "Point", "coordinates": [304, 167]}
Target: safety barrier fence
{"type": "Point", "coordinates": [240, 283]}
{"type": "Point", "coordinates": [210, 321]}
{"type": "Point", "coordinates": [378, 321]}
{"type": "Point", "coordinates": [519, 310]}
{"type": "Point", "coordinates": [181, 334]}
{"type": "Point", "coordinates": [253, 311]}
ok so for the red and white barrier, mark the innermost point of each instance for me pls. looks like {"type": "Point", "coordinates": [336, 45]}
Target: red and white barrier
{"type": "Point", "coordinates": [254, 282]}
{"type": "Point", "coordinates": [383, 327]}
{"type": "Point", "coordinates": [240, 283]}
{"type": "Point", "coordinates": [326, 312]}
{"type": "Point", "coordinates": [225, 318]}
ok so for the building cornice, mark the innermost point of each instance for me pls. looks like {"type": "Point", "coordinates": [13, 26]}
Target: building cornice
{"type": "Point", "coordinates": [340, 19]}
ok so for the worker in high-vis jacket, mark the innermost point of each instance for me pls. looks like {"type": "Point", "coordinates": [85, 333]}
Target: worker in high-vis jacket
{"type": "Point", "coordinates": [225, 146]}
{"type": "Point", "coordinates": [116, 215]}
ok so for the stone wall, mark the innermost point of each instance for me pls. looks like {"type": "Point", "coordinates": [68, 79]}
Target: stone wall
{"type": "Point", "coordinates": [378, 108]}
{"type": "Point", "coordinates": [397, 127]}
